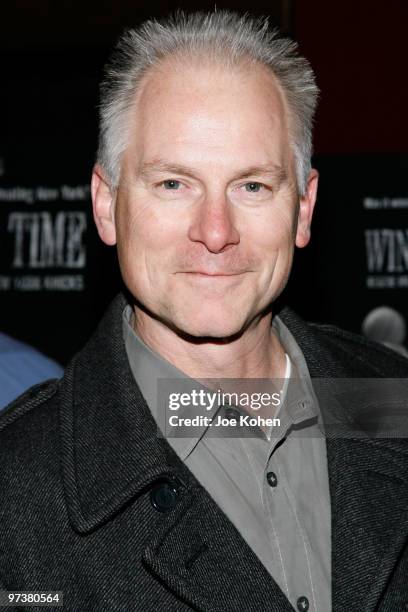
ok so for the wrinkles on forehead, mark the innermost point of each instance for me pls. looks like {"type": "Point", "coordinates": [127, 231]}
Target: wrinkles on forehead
{"type": "Point", "coordinates": [160, 166]}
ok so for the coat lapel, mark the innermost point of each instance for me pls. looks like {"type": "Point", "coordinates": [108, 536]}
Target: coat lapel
{"type": "Point", "coordinates": [368, 480]}
{"type": "Point", "coordinates": [110, 449]}
{"type": "Point", "coordinates": [369, 499]}
{"type": "Point", "coordinates": [203, 559]}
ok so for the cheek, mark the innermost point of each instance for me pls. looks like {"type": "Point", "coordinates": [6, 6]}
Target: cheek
{"type": "Point", "coordinates": [273, 241]}
{"type": "Point", "coordinates": [138, 228]}
{"type": "Point", "coordinates": [146, 237]}
{"type": "Point", "coordinates": [274, 234]}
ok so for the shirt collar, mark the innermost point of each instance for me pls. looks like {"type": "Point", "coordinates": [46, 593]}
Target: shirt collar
{"type": "Point", "coordinates": [148, 368]}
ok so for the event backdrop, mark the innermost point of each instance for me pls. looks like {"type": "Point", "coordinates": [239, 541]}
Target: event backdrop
{"type": "Point", "coordinates": [358, 256]}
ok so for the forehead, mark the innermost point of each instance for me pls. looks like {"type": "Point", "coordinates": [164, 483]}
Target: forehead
{"type": "Point", "coordinates": [202, 108]}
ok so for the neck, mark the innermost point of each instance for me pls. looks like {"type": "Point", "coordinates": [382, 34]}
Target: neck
{"type": "Point", "coordinates": [256, 353]}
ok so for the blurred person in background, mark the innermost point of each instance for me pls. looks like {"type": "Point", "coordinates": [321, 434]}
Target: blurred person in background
{"type": "Point", "coordinates": [22, 366]}
{"type": "Point", "coordinates": [386, 325]}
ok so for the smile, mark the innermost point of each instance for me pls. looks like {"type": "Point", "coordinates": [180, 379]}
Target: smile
{"type": "Point", "coordinates": [213, 274]}
{"type": "Point", "coordinates": [213, 280]}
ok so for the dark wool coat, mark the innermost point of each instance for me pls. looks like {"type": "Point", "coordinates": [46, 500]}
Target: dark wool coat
{"type": "Point", "coordinates": [94, 504]}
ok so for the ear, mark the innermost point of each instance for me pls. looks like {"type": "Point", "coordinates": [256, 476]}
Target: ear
{"type": "Point", "coordinates": [103, 205]}
{"type": "Point", "coordinates": [306, 208]}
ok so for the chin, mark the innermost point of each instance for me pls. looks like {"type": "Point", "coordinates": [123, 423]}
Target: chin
{"type": "Point", "coordinates": [209, 325]}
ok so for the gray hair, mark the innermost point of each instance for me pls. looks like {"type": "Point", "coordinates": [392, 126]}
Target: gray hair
{"type": "Point", "coordinates": [223, 36]}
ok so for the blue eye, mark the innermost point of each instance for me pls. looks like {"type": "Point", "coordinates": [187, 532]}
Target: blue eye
{"type": "Point", "coordinates": [253, 187]}
{"type": "Point", "coordinates": [171, 184]}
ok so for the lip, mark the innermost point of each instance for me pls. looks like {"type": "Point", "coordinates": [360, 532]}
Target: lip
{"type": "Point", "coordinates": [212, 274]}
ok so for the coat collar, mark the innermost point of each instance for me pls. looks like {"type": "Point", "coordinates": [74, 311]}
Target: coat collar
{"type": "Point", "coordinates": [110, 447]}
{"type": "Point", "coordinates": [111, 454]}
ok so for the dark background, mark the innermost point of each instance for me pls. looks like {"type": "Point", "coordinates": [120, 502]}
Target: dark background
{"type": "Point", "coordinates": [52, 56]}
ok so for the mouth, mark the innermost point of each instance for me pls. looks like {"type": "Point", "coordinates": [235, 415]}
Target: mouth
{"type": "Point", "coordinates": [213, 281]}
{"type": "Point", "coordinates": [212, 274]}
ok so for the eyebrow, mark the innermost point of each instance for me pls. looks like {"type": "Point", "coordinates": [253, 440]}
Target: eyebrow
{"type": "Point", "coordinates": [159, 165]}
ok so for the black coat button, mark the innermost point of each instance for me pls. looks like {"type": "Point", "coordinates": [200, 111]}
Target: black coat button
{"type": "Point", "coordinates": [164, 495]}
{"type": "Point", "coordinates": [302, 604]}
{"type": "Point", "coordinates": [272, 479]}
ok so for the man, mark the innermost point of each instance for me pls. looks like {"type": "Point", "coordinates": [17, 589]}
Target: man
{"type": "Point", "coordinates": [203, 182]}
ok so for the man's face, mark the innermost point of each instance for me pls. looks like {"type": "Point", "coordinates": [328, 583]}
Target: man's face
{"type": "Point", "coordinates": [206, 213]}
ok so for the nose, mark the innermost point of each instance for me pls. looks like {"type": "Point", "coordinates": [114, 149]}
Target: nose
{"type": "Point", "coordinates": [213, 225]}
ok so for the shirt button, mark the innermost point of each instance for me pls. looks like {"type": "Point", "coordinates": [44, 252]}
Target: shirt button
{"type": "Point", "coordinates": [231, 413]}
{"type": "Point", "coordinates": [302, 604]}
{"type": "Point", "coordinates": [272, 482]}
